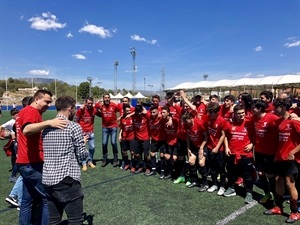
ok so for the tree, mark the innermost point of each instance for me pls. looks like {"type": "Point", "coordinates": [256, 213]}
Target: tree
{"type": "Point", "coordinates": [83, 90]}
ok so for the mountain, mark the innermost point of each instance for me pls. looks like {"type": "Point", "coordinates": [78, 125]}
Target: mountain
{"type": "Point", "coordinates": [39, 80]}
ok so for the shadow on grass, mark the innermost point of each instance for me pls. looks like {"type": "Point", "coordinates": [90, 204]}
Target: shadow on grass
{"type": "Point", "coordinates": [88, 220]}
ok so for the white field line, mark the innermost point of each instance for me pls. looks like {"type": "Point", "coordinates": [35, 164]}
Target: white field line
{"type": "Point", "coordinates": [236, 213]}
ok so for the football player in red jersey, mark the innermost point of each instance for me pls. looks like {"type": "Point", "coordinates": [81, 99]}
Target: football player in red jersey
{"type": "Point", "coordinates": [267, 97]}
{"type": "Point", "coordinates": [142, 140]}
{"type": "Point", "coordinates": [158, 136]}
{"type": "Point", "coordinates": [196, 146]}
{"type": "Point", "coordinates": [126, 136]}
{"type": "Point", "coordinates": [85, 116]}
{"type": "Point", "coordinates": [109, 128]}
{"type": "Point", "coordinates": [287, 160]}
{"type": "Point", "coordinates": [226, 110]}
{"type": "Point", "coordinates": [238, 146]}
{"type": "Point", "coordinates": [171, 131]}
{"type": "Point", "coordinates": [245, 99]}
{"type": "Point", "coordinates": [216, 125]}
{"type": "Point", "coordinates": [200, 106]}
{"type": "Point", "coordinates": [266, 125]}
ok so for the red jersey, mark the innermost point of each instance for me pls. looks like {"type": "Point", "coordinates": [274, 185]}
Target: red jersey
{"type": "Point", "coordinates": [215, 128]}
{"type": "Point", "coordinates": [126, 124]}
{"type": "Point", "coordinates": [289, 138]}
{"type": "Point", "coordinates": [109, 115]}
{"type": "Point", "coordinates": [195, 132]}
{"type": "Point", "coordinates": [140, 127]}
{"type": "Point", "coordinates": [270, 108]}
{"type": "Point", "coordinates": [239, 135]}
{"type": "Point", "coordinates": [266, 133]}
{"type": "Point", "coordinates": [226, 113]}
{"type": "Point", "coordinates": [85, 118]}
{"type": "Point", "coordinates": [156, 128]}
{"type": "Point", "coordinates": [173, 110]}
{"type": "Point", "coordinates": [295, 110]}
{"type": "Point", "coordinates": [30, 148]}
{"type": "Point", "coordinates": [201, 109]}
{"type": "Point", "coordinates": [248, 114]}
{"type": "Point", "coordinates": [120, 106]}
{"type": "Point", "coordinates": [171, 132]}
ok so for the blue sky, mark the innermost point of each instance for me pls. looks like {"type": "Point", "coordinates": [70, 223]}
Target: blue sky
{"type": "Point", "coordinates": [226, 39]}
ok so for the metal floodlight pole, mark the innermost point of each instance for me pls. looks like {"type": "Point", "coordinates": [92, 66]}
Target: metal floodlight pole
{"type": "Point", "coordinates": [133, 53]}
{"type": "Point", "coordinates": [90, 79]}
{"type": "Point", "coordinates": [151, 86]}
{"type": "Point", "coordinates": [116, 76]}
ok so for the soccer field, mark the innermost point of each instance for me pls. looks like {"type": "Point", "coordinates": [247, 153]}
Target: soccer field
{"type": "Point", "coordinates": [115, 197]}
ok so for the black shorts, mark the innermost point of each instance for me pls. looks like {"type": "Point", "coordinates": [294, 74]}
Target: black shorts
{"type": "Point", "coordinates": [171, 150]}
{"type": "Point", "coordinates": [156, 146]}
{"type": "Point", "coordinates": [264, 163]}
{"type": "Point", "coordinates": [216, 159]}
{"type": "Point", "coordinates": [286, 168]}
{"type": "Point", "coordinates": [195, 150]}
{"type": "Point", "coordinates": [141, 146]}
{"type": "Point", "coordinates": [181, 147]}
{"type": "Point", "coordinates": [127, 145]}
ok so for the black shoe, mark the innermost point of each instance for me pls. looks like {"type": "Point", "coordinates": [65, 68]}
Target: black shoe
{"type": "Point", "coordinates": [139, 170]}
{"type": "Point", "coordinates": [203, 188]}
{"type": "Point", "coordinates": [12, 200]}
{"type": "Point", "coordinates": [162, 175]}
{"type": "Point", "coordinates": [166, 177]}
{"type": "Point", "coordinates": [104, 163]}
{"type": "Point", "coordinates": [152, 173]}
{"type": "Point", "coordinates": [115, 163]}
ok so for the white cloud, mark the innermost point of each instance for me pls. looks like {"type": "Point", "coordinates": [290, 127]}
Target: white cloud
{"type": "Point", "coordinates": [247, 74]}
{"type": "Point", "coordinates": [69, 35]}
{"type": "Point", "coordinates": [281, 54]}
{"type": "Point", "coordinates": [39, 72]}
{"type": "Point", "coordinates": [293, 44]}
{"type": "Point", "coordinates": [86, 51]}
{"type": "Point", "coordinates": [260, 75]}
{"type": "Point", "coordinates": [291, 38]}
{"type": "Point", "coordinates": [99, 50]}
{"type": "Point", "coordinates": [45, 22]}
{"type": "Point", "coordinates": [153, 42]}
{"type": "Point", "coordinates": [258, 49]}
{"type": "Point", "coordinates": [78, 56]}
{"type": "Point", "coordinates": [137, 37]}
{"type": "Point", "coordinates": [114, 30]}
{"type": "Point", "coordinates": [94, 30]}
{"type": "Point", "coordinates": [22, 17]}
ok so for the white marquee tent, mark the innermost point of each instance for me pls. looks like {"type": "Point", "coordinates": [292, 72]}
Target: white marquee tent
{"type": "Point", "coordinates": [283, 81]}
{"type": "Point", "coordinates": [128, 95]}
{"type": "Point", "coordinates": [139, 95]}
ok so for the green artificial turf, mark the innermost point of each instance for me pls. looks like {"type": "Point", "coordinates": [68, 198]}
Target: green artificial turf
{"type": "Point", "coordinates": [115, 197]}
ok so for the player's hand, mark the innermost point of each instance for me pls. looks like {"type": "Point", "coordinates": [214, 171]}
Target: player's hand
{"type": "Point", "coordinates": [59, 123]}
{"type": "Point", "coordinates": [228, 152]}
{"type": "Point", "coordinates": [86, 139]}
{"type": "Point", "coordinates": [215, 150]}
{"type": "Point", "coordinates": [291, 156]}
{"type": "Point", "coordinates": [248, 147]}
{"type": "Point", "coordinates": [83, 106]}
